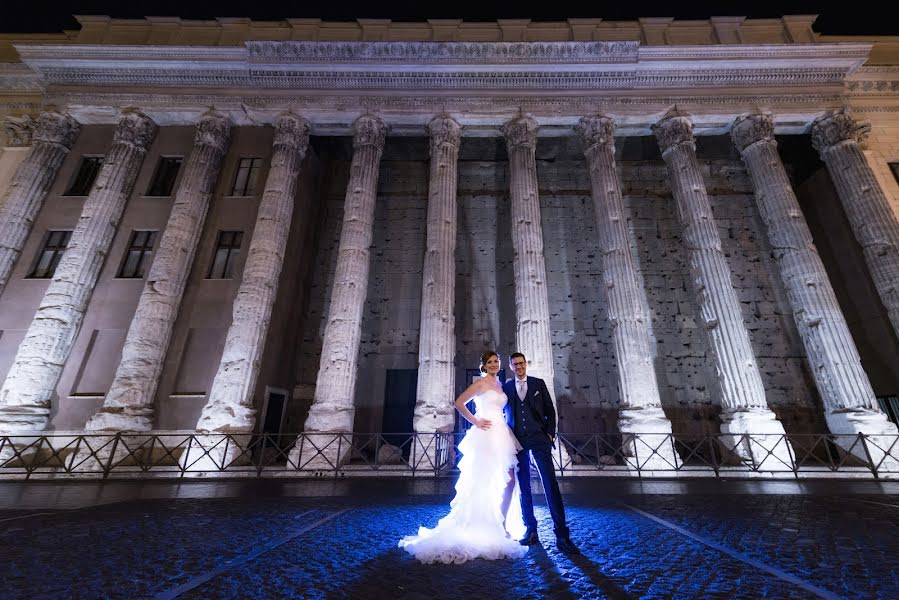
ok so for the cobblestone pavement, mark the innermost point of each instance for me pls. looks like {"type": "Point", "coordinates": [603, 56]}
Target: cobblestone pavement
{"type": "Point", "coordinates": [338, 540]}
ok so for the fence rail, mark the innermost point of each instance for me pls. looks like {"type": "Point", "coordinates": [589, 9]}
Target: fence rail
{"type": "Point", "coordinates": [74, 455]}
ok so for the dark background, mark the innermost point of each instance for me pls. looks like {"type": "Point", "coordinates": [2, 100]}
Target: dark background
{"type": "Point", "coordinates": [844, 18]}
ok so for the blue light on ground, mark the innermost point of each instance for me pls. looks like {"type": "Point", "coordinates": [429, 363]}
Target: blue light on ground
{"type": "Point", "coordinates": [736, 545]}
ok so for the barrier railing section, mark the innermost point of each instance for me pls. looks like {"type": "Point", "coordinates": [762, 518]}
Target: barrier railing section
{"type": "Point", "coordinates": [434, 454]}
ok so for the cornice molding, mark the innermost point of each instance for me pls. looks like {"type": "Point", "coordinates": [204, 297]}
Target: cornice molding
{"type": "Point", "coordinates": [19, 78]}
{"type": "Point", "coordinates": [877, 80]}
{"type": "Point", "coordinates": [438, 67]}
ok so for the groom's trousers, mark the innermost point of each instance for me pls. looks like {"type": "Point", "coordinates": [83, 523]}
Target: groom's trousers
{"type": "Point", "coordinates": [542, 454]}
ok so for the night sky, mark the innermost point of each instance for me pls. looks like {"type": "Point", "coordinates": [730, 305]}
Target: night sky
{"type": "Point", "coordinates": [865, 17]}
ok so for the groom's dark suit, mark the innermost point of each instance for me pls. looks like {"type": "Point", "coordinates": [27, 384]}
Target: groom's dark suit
{"type": "Point", "coordinates": [533, 420]}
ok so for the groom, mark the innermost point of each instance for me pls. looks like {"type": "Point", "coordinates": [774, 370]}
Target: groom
{"type": "Point", "coordinates": [531, 416]}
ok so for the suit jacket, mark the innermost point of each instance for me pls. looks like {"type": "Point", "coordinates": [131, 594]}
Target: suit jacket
{"type": "Point", "coordinates": [537, 400]}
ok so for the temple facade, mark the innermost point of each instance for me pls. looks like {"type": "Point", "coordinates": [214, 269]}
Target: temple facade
{"type": "Point", "coordinates": [234, 226]}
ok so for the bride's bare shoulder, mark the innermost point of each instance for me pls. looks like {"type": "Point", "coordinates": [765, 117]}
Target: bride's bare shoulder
{"type": "Point", "coordinates": [481, 384]}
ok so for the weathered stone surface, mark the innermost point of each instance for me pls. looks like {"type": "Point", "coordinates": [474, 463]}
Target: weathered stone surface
{"type": "Point", "coordinates": [533, 336]}
{"type": "Point", "coordinates": [54, 135]}
{"type": "Point", "coordinates": [128, 406]}
{"type": "Point", "coordinates": [437, 339]}
{"type": "Point", "coordinates": [31, 383]}
{"type": "Point", "coordinates": [640, 405]}
{"type": "Point", "coordinates": [834, 359]}
{"type": "Point", "coordinates": [333, 408]}
{"type": "Point", "coordinates": [837, 139]}
{"type": "Point", "coordinates": [736, 370]}
{"type": "Point", "coordinates": [585, 368]}
{"type": "Point", "coordinates": [229, 408]}
{"type": "Point", "coordinates": [19, 130]}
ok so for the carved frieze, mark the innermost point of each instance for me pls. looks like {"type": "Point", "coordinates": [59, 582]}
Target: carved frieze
{"type": "Point", "coordinates": [453, 52]}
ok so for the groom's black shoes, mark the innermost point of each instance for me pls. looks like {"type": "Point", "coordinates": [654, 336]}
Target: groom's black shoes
{"type": "Point", "coordinates": [530, 538]}
{"type": "Point", "coordinates": [566, 546]}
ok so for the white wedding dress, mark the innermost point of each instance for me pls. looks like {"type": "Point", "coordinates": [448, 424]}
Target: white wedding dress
{"type": "Point", "coordinates": [474, 526]}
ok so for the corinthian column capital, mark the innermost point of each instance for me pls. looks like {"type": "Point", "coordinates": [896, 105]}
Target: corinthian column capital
{"type": "Point", "coordinates": [836, 127]}
{"type": "Point", "coordinates": [521, 132]}
{"type": "Point", "coordinates": [291, 130]}
{"type": "Point", "coordinates": [56, 128]}
{"type": "Point", "coordinates": [369, 131]}
{"type": "Point", "coordinates": [750, 129]}
{"type": "Point", "coordinates": [597, 130]}
{"type": "Point", "coordinates": [213, 130]}
{"type": "Point", "coordinates": [136, 129]}
{"type": "Point", "coordinates": [19, 130]}
{"type": "Point", "coordinates": [675, 128]}
{"type": "Point", "coordinates": [444, 130]}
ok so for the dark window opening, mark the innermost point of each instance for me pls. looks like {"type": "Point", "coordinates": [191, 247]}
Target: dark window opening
{"type": "Point", "coordinates": [54, 246]}
{"type": "Point", "coordinates": [227, 249]}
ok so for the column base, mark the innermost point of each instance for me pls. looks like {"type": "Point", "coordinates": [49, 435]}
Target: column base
{"type": "Point", "coordinates": [880, 447]}
{"type": "Point", "coordinates": [15, 419]}
{"type": "Point", "coordinates": [757, 439]}
{"type": "Point", "coordinates": [216, 452]}
{"type": "Point", "coordinates": [321, 451]}
{"type": "Point", "coordinates": [120, 419]}
{"type": "Point", "coordinates": [101, 451]}
{"type": "Point", "coordinates": [647, 440]}
{"type": "Point", "coordinates": [21, 448]}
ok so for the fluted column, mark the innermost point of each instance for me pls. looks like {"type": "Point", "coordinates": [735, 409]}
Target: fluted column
{"type": "Point", "coordinates": [26, 394]}
{"type": "Point", "coordinates": [744, 409]}
{"type": "Point", "coordinates": [129, 404]}
{"type": "Point", "coordinates": [532, 335]}
{"type": "Point", "coordinates": [332, 408]}
{"type": "Point", "coordinates": [850, 406]}
{"type": "Point", "coordinates": [531, 297]}
{"type": "Point", "coordinates": [640, 407]}
{"type": "Point", "coordinates": [437, 345]}
{"type": "Point", "coordinates": [53, 137]}
{"type": "Point", "coordinates": [837, 139]}
{"type": "Point", "coordinates": [229, 408]}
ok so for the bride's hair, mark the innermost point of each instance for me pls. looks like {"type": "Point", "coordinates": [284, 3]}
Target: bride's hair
{"type": "Point", "coordinates": [485, 357]}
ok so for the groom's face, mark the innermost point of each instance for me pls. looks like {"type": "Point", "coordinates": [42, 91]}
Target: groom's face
{"type": "Point", "coordinates": [520, 366]}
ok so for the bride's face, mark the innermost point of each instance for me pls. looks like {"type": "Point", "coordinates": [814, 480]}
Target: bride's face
{"type": "Point", "coordinates": [492, 365]}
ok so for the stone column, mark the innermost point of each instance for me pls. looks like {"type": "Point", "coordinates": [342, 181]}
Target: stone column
{"type": "Point", "coordinates": [333, 409]}
{"type": "Point", "coordinates": [437, 346]}
{"type": "Point", "coordinates": [744, 409]}
{"type": "Point", "coordinates": [229, 408]}
{"type": "Point", "coordinates": [531, 298]}
{"type": "Point", "coordinates": [837, 139]}
{"type": "Point", "coordinates": [850, 406]}
{"type": "Point", "coordinates": [129, 404]}
{"type": "Point", "coordinates": [29, 387]}
{"type": "Point", "coordinates": [53, 137]}
{"type": "Point", "coordinates": [532, 337]}
{"type": "Point", "coordinates": [640, 407]}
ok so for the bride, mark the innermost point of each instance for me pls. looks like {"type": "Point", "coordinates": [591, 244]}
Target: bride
{"type": "Point", "coordinates": [485, 516]}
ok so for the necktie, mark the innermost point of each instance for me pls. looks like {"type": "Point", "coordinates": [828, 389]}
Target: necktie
{"type": "Point", "coordinates": [522, 388]}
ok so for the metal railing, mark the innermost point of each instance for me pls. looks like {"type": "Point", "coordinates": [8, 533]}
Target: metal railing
{"type": "Point", "coordinates": [61, 455]}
